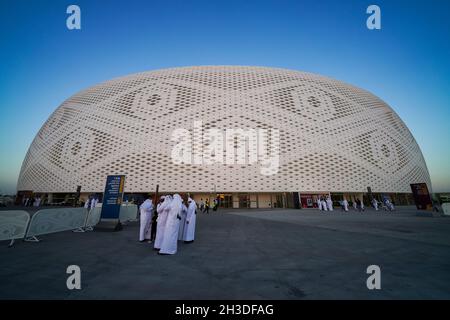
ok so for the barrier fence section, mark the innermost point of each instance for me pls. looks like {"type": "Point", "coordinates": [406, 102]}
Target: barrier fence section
{"type": "Point", "coordinates": [446, 208]}
{"type": "Point", "coordinates": [16, 224]}
{"type": "Point", "coordinates": [93, 218]}
{"type": "Point", "coordinates": [55, 220]}
{"type": "Point", "coordinates": [13, 225]}
{"type": "Point", "coordinates": [128, 212]}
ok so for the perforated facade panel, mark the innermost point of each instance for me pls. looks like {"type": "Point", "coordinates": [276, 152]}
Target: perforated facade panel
{"type": "Point", "coordinates": [333, 136]}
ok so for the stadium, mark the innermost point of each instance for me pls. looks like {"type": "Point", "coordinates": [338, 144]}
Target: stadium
{"type": "Point", "coordinates": [326, 137]}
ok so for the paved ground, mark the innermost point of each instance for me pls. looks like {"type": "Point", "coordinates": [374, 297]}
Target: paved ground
{"type": "Point", "coordinates": [274, 254]}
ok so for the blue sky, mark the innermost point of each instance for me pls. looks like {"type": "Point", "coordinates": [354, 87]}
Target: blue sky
{"type": "Point", "coordinates": [406, 63]}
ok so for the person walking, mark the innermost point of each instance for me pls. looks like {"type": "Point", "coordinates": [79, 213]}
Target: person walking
{"type": "Point", "coordinates": [146, 211]}
{"type": "Point", "coordinates": [207, 206]}
{"type": "Point", "coordinates": [191, 217]}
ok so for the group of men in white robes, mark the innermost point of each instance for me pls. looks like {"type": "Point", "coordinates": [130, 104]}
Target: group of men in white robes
{"type": "Point", "coordinates": [175, 222]}
{"type": "Point", "coordinates": [325, 203]}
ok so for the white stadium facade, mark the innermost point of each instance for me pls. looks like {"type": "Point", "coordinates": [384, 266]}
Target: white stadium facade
{"type": "Point", "coordinates": [333, 138]}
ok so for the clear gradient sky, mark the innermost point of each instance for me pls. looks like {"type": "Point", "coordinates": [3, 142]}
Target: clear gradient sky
{"type": "Point", "coordinates": [406, 63]}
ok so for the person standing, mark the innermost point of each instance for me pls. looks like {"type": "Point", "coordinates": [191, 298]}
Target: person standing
{"type": "Point", "coordinates": [170, 238]}
{"type": "Point", "coordinates": [154, 225]}
{"type": "Point", "coordinates": [191, 217]}
{"type": "Point", "coordinates": [329, 204]}
{"type": "Point", "coordinates": [324, 204]}
{"type": "Point", "coordinates": [163, 211]}
{"type": "Point", "coordinates": [375, 204]}
{"type": "Point", "coordinates": [183, 214]}
{"type": "Point", "coordinates": [202, 205]}
{"type": "Point", "coordinates": [86, 204]}
{"type": "Point", "coordinates": [345, 204]}
{"type": "Point", "coordinates": [319, 203]}
{"type": "Point", "coordinates": [358, 205]}
{"type": "Point", "coordinates": [207, 206]}
{"type": "Point", "coordinates": [37, 202]}
{"type": "Point", "coordinates": [94, 202]}
{"type": "Point", "coordinates": [146, 210]}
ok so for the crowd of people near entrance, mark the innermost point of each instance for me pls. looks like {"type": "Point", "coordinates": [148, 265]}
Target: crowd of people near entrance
{"type": "Point", "coordinates": [32, 201]}
{"type": "Point", "coordinates": [324, 203]}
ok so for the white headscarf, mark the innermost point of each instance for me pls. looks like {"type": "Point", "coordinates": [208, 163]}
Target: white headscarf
{"type": "Point", "coordinates": [190, 200]}
{"type": "Point", "coordinates": [147, 205]}
{"type": "Point", "coordinates": [176, 202]}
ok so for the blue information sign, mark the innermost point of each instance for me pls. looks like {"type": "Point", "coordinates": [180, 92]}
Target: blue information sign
{"type": "Point", "coordinates": [112, 197]}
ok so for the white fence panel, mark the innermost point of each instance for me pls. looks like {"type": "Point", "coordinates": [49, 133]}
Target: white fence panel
{"type": "Point", "coordinates": [446, 208]}
{"type": "Point", "coordinates": [128, 212]}
{"type": "Point", "coordinates": [13, 224]}
{"type": "Point", "coordinates": [93, 217]}
{"type": "Point", "coordinates": [55, 220]}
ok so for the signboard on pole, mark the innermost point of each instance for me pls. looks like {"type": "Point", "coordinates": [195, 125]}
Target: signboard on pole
{"type": "Point", "coordinates": [112, 201]}
{"type": "Point", "coordinates": [421, 196]}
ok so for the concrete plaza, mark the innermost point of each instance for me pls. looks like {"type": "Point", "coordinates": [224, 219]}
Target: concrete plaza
{"type": "Point", "coordinates": [244, 254]}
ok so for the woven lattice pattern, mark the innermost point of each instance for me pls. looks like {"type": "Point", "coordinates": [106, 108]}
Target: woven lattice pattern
{"type": "Point", "coordinates": [333, 136]}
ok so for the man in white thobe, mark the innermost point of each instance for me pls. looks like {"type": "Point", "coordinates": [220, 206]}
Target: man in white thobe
{"type": "Point", "coordinates": [191, 217]}
{"type": "Point", "coordinates": [324, 204]}
{"type": "Point", "coordinates": [183, 221]}
{"type": "Point", "coordinates": [170, 238]}
{"type": "Point", "coordinates": [94, 202]}
{"type": "Point", "coordinates": [163, 210]}
{"type": "Point", "coordinates": [345, 203]}
{"type": "Point", "coordinates": [37, 202]}
{"type": "Point", "coordinates": [319, 203]}
{"type": "Point", "coordinates": [375, 204]}
{"type": "Point", "coordinates": [86, 204]}
{"type": "Point", "coordinates": [146, 211]}
{"type": "Point", "coordinates": [329, 204]}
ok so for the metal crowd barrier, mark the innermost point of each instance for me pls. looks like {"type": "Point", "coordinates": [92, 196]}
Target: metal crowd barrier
{"type": "Point", "coordinates": [446, 208]}
{"type": "Point", "coordinates": [93, 217]}
{"type": "Point", "coordinates": [55, 220]}
{"type": "Point", "coordinates": [16, 224]}
{"type": "Point", "coordinates": [128, 212]}
{"type": "Point", "coordinates": [13, 225]}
